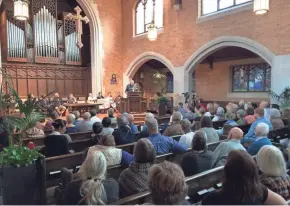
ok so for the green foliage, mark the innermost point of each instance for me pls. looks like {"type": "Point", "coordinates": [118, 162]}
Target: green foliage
{"type": "Point", "coordinates": [162, 99]}
{"type": "Point", "coordinates": [158, 79]}
{"type": "Point", "coordinates": [18, 156]}
{"type": "Point", "coordinates": [283, 99]}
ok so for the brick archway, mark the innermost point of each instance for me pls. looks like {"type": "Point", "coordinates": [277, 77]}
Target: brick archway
{"type": "Point", "coordinates": [222, 42]}
{"type": "Point", "coordinates": [140, 60]}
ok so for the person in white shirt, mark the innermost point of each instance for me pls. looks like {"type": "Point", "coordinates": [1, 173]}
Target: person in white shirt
{"type": "Point", "coordinates": [188, 134]}
{"type": "Point", "coordinates": [91, 99]}
{"type": "Point", "coordinates": [94, 117]}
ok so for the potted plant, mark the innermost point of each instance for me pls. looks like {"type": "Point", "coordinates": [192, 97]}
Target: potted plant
{"type": "Point", "coordinates": [22, 169]}
{"type": "Point", "coordinates": [158, 78]}
{"type": "Point", "coordinates": [283, 99]}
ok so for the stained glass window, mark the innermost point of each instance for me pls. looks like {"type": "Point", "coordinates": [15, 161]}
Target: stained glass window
{"type": "Point", "coordinates": [251, 78]}
{"type": "Point", "coordinates": [144, 15]}
{"type": "Point", "coordinates": [169, 82]}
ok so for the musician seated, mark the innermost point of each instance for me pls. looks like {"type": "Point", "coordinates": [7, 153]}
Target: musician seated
{"type": "Point", "coordinates": [71, 99]}
{"type": "Point", "coordinates": [43, 103]}
{"type": "Point", "coordinates": [70, 127]}
{"type": "Point", "coordinates": [53, 116]}
{"type": "Point", "coordinates": [100, 96]}
{"type": "Point", "coordinates": [30, 99]}
{"type": "Point", "coordinates": [56, 100]}
{"type": "Point", "coordinates": [62, 111]}
{"type": "Point", "coordinates": [91, 99]}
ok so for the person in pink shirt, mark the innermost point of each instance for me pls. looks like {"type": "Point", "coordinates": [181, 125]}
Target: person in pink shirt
{"type": "Point", "coordinates": [250, 117]}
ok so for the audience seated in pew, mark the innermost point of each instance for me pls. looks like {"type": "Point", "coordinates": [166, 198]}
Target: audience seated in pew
{"type": "Point", "coordinates": [59, 128]}
{"type": "Point", "coordinates": [135, 178]}
{"type": "Point", "coordinates": [222, 151]}
{"type": "Point", "coordinates": [207, 127]}
{"type": "Point", "coordinates": [199, 159]}
{"type": "Point", "coordinates": [241, 117]}
{"type": "Point", "coordinates": [123, 134]}
{"type": "Point", "coordinates": [86, 124]}
{"type": "Point", "coordinates": [35, 131]}
{"type": "Point", "coordinates": [250, 117]}
{"type": "Point", "coordinates": [52, 117]}
{"type": "Point", "coordinates": [200, 111]}
{"type": "Point", "coordinates": [97, 132]}
{"type": "Point", "coordinates": [190, 115]}
{"type": "Point", "coordinates": [111, 116]}
{"type": "Point", "coordinates": [275, 118]}
{"type": "Point", "coordinates": [261, 134]}
{"type": "Point", "coordinates": [174, 128]}
{"type": "Point", "coordinates": [271, 163]}
{"type": "Point", "coordinates": [220, 114]}
{"type": "Point", "coordinates": [107, 129]}
{"type": "Point", "coordinates": [70, 127]}
{"type": "Point", "coordinates": [92, 187]}
{"type": "Point", "coordinates": [163, 144]}
{"type": "Point", "coordinates": [188, 136]}
{"type": "Point", "coordinates": [259, 113]}
{"type": "Point", "coordinates": [241, 184]}
{"type": "Point", "coordinates": [57, 143]}
{"type": "Point", "coordinates": [167, 184]}
{"type": "Point", "coordinates": [230, 121]}
{"type": "Point", "coordinates": [114, 156]}
{"type": "Point", "coordinates": [94, 117]}
{"type": "Point", "coordinates": [77, 117]}
{"type": "Point", "coordinates": [181, 109]}
{"type": "Point", "coordinates": [147, 116]}
{"type": "Point", "coordinates": [133, 127]}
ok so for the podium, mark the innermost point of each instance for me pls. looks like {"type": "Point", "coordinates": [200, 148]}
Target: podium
{"type": "Point", "coordinates": [133, 103]}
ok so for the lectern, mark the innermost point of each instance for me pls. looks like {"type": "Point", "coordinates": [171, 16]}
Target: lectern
{"type": "Point", "coordinates": [133, 103]}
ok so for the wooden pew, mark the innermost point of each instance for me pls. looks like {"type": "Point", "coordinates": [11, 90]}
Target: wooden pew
{"type": "Point", "coordinates": [73, 162]}
{"type": "Point", "coordinates": [39, 141]}
{"type": "Point", "coordinates": [279, 134]}
{"type": "Point", "coordinates": [196, 183]}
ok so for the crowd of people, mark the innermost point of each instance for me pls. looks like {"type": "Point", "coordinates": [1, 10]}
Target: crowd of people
{"type": "Point", "coordinates": [255, 171]}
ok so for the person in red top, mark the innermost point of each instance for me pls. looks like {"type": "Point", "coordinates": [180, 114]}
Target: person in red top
{"type": "Point", "coordinates": [250, 117]}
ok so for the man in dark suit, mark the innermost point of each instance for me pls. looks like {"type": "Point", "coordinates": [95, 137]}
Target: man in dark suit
{"type": "Point", "coordinates": [130, 87]}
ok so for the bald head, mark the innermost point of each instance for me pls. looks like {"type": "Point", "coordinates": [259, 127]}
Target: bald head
{"type": "Point", "coordinates": [235, 133]}
{"type": "Point", "coordinates": [264, 104]}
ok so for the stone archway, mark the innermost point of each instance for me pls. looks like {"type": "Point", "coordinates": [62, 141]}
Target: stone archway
{"type": "Point", "coordinates": [222, 42]}
{"type": "Point", "coordinates": [140, 60]}
{"type": "Point", "coordinates": [91, 10]}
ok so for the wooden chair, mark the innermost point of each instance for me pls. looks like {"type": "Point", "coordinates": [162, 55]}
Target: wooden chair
{"type": "Point", "coordinates": [278, 134]}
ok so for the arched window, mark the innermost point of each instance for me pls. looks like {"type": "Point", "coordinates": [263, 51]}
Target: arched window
{"type": "Point", "coordinates": [144, 15]}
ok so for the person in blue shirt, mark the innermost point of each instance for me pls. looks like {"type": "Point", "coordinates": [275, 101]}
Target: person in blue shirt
{"type": "Point", "coordinates": [261, 133]}
{"type": "Point", "coordinates": [181, 109]}
{"type": "Point", "coordinates": [266, 106]}
{"type": "Point", "coordinates": [123, 134]}
{"type": "Point", "coordinates": [163, 144]}
{"type": "Point", "coordinates": [133, 127]}
{"type": "Point", "coordinates": [250, 136]}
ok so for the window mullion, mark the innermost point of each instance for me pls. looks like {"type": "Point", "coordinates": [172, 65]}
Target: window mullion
{"type": "Point", "coordinates": [144, 23]}
{"type": "Point", "coordinates": [218, 5]}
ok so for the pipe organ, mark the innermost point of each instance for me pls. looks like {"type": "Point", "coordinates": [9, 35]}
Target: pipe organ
{"type": "Point", "coordinates": [46, 37]}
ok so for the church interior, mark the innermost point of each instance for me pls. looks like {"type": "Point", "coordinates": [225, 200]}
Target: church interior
{"type": "Point", "coordinates": [162, 102]}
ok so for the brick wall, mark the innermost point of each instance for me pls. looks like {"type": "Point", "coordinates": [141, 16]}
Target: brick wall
{"type": "Point", "coordinates": [182, 35]}
{"type": "Point", "coordinates": [216, 84]}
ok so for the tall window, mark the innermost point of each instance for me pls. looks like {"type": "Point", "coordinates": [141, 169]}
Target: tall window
{"type": "Point", "coordinates": [144, 15]}
{"type": "Point", "coordinates": [251, 78]}
{"type": "Point", "coordinates": [211, 6]}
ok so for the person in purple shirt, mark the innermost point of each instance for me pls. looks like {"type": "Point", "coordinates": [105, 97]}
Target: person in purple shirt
{"type": "Point", "coordinates": [250, 136]}
{"type": "Point", "coordinates": [163, 144]}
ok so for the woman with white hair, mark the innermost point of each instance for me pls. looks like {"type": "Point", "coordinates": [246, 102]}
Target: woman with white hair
{"type": "Point", "coordinates": [275, 118]}
{"type": "Point", "coordinates": [220, 114]}
{"type": "Point", "coordinates": [92, 188]}
{"type": "Point", "coordinates": [271, 163]}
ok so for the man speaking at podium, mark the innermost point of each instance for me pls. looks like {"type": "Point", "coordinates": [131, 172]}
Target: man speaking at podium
{"type": "Point", "coordinates": [130, 87]}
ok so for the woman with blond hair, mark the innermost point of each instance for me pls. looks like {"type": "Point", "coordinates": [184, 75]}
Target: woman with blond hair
{"type": "Point", "coordinates": [271, 163]}
{"type": "Point", "coordinates": [92, 188]}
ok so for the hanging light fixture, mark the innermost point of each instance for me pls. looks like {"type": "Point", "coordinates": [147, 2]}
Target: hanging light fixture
{"type": "Point", "coordinates": [21, 9]}
{"type": "Point", "coordinates": [152, 31]}
{"type": "Point", "coordinates": [152, 28]}
{"type": "Point", "coordinates": [261, 7]}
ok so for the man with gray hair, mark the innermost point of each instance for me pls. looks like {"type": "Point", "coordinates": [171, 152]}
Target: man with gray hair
{"type": "Point", "coordinates": [86, 124]}
{"type": "Point", "coordinates": [188, 134]}
{"type": "Point", "coordinates": [261, 134]}
{"type": "Point", "coordinates": [161, 143]}
{"type": "Point", "coordinates": [175, 127]}
{"type": "Point", "coordinates": [275, 119]}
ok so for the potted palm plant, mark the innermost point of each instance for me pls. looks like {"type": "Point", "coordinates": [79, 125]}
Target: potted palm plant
{"type": "Point", "coordinates": [22, 169]}
{"type": "Point", "coordinates": [283, 99]}
{"type": "Point", "coordinates": [161, 99]}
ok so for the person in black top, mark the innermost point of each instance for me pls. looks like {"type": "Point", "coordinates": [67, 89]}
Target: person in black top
{"type": "Point", "coordinates": [199, 160]}
{"type": "Point", "coordinates": [100, 96]}
{"type": "Point", "coordinates": [241, 184]}
{"type": "Point", "coordinates": [56, 100]}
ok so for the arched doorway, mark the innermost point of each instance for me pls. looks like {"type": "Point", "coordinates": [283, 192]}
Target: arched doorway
{"type": "Point", "coordinates": [145, 77]}
{"type": "Point", "coordinates": [91, 11]}
{"type": "Point", "coordinates": [212, 69]}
